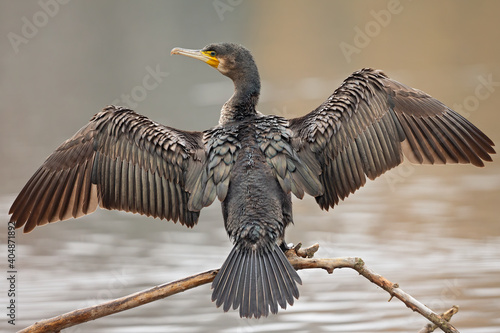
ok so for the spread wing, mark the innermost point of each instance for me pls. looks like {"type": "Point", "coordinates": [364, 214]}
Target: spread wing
{"type": "Point", "coordinates": [368, 124]}
{"type": "Point", "coordinates": [119, 160]}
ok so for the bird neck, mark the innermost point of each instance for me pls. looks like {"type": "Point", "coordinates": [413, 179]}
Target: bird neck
{"type": "Point", "coordinates": [244, 99]}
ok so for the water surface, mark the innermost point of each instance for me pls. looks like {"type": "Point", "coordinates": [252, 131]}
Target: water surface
{"type": "Point", "coordinates": [435, 244]}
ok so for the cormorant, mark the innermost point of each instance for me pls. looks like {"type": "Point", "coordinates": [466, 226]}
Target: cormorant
{"type": "Point", "coordinates": [252, 163]}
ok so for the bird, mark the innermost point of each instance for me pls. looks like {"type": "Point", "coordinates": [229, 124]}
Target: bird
{"type": "Point", "coordinates": [252, 163]}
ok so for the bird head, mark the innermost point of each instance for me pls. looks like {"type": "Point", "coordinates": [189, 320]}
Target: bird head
{"type": "Point", "coordinates": [231, 60]}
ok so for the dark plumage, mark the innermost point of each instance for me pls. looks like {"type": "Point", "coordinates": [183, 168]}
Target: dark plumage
{"type": "Point", "coordinates": [252, 163]}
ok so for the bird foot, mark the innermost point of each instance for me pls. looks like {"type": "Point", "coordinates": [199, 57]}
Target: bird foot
{"type": "Point", "coordinates": [297, 250]}
{"type": "Point", "coordinates": [285, 247]}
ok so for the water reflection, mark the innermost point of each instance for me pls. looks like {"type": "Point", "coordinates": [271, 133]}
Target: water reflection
{"type": "Point", "coordinates": [106, 255]}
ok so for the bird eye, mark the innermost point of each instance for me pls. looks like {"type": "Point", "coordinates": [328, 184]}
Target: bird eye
{"type": "Point", "coordinates": [212, 53]}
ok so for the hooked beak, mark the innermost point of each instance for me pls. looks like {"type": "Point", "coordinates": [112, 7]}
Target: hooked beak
{"type": "Point", "coordinates": [197, 54]}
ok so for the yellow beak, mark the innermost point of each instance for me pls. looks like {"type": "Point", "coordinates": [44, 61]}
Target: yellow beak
{"type": "Point", "coordinates": [197, 54]}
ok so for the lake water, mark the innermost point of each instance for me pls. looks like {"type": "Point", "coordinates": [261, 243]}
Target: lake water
{"type": "Point", "coordinates": [436, 235]}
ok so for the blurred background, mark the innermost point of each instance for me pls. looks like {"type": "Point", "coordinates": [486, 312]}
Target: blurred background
{"type": "Point", "coordinates": [433, 230]}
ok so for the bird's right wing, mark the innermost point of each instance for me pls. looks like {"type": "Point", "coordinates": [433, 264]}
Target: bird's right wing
{"type": "Point", "coordinates": [119, 160]}
{"type": "Point", "coordinates": [366, 126]}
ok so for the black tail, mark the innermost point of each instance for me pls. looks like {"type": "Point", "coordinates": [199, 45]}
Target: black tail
{"type": "Point", "coordinates": [256, 280]}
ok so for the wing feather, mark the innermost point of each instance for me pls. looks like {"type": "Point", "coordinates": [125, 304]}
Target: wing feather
{"type": "Point", "coordinates": [119, 160]}
{"type": "Point", "coordinates": [366, 126]}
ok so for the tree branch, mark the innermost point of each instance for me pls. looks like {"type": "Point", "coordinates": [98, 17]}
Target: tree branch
{"type": "Point", "coordinates": [55, 324]}
{"type": "Point", "coordinates": [392, 288]}
{"type": "Point", "coordinates": [298, 257]}
{"type": "Point", "coordinates": [429, 328]}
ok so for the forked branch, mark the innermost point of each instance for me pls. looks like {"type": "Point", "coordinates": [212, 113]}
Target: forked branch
{"type": "Point", "coordinates": [358, 264]}
{"type": "Point", "coordinates": [300, 259]}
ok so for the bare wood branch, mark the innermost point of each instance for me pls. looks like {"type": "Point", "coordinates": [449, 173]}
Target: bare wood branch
{"type": "Point", "coordinates": [83, 315]}
{"type": "Point", "coordinates": [429, 328]}
{"type": "Point", "coordinates": [298, 257]}
{"type": "Point", "coordinates": [308, 252]}
{"type": "Point", "coordinates": [392, 288]}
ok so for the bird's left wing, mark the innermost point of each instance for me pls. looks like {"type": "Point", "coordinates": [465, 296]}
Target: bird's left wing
{"type": "Point", "coordinates": [119, 160]}
{"type": "Point", "coordinates": [366, 126]}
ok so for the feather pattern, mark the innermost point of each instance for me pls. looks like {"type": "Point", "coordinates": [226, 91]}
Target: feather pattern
{"type": "Point", "coordinates": [222, 146]}
{"type": "Point", "coordinates": [256, 281]}
{"type": "Point", "coordinates": [274, 139]}
{"type": "Point", "coordinates": [120, 160]}
{"type": "Point", "coordinates": [366, 126]}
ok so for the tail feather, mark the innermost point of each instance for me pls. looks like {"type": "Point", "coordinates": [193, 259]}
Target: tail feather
{"type": "Point", "coordinates": [261, 295]}
{"type": "Point", "coordinates": [270, 285]}
{"type": "Point", "coordinates": [256, 281]}
{"type": "Point", "coordinates": [277, 283]}
{"type": "Point", "coordinates": [268, 295]}
{"type": "Point", "coordinates": [232, 283]}
{"type": "Point", "coordinates": [238, 289]}
{"type": "Point", "coordinates": [289, 274]}
{"type": "Point", "coordinates": [227, 279]}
